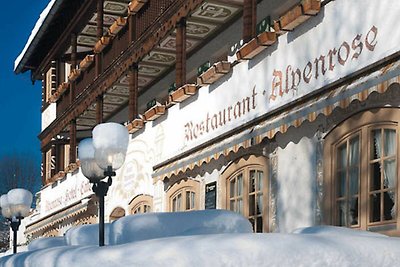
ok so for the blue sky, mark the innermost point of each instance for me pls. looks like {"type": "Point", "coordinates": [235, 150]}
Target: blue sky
{"type": "Point", "coordinates": [20, 101]}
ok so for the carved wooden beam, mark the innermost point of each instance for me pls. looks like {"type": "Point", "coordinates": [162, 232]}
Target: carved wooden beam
{"type": "Point", "coordinates": [120, 65]}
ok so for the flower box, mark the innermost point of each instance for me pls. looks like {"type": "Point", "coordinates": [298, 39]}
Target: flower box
{"type": "Point", "coordinates": [135, 5]}
{"type": "Point", "coordinates": [182, 93]}
{"type": "Point", "coordinates": [117, 26]}
{"type": "Point", "coordinates": [101, 44]}
{"type": "Point", "coordinates": [74, 74]}
{"type": "Point", "coordinates": [86, 62]}
{"type": "Point", "coordinates": [297, 15]}
{"type": "Point", "coordinates": [154, 112]}
{"type": "Point", "coordinates": [214, 73]}
{"type": "Point", "coordinates": [135, 125]}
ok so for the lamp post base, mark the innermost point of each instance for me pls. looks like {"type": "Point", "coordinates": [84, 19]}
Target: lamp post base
{"type": "Point", "coordinates": [15, 223]}
{"type": "Point", "coordinates": [100, 188]}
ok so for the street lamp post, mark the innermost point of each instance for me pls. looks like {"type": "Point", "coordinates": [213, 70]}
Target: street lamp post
{"type": "Point", "coordinates": [15, 205]}
{"type": "Point", "coordinates": [100, 157]}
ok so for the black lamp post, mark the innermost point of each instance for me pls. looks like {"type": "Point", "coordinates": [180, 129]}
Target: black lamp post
{"type": "Point", "coordinates": [15, 205]}
{"type": "Point", "coordinates": [100, 157]}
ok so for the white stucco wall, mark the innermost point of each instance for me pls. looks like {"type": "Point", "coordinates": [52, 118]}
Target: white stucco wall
{"type": "Point", "coordinates": [296, 179]}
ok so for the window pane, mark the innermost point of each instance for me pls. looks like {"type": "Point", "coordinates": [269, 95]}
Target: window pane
{"type": "Point", "coordinates": [375, 207]}
{"type": "Point", "coordinates": [259, 226]}
{"type": "Point", "coordinates": [260, 180]}
{"type": "Point", "coordinates": [240, 206]}
{"type": "Point", "coordinates": [388, 205]}
{"type": "Point", "coordinates": [252, 181]}
{"type": "Point", "coordinates": [239, 184]}
{"type": "Point", "coordinates": [341, 213]}
{"type": "Point", "coordinates": [192, 201]}
{"type": "Point", "coordinates": [174, 204]}
{"type": "Point", "coordinates": [252, 205]}
{"type": "Point", "coordinates": [376, 143]}
{"type": "Point", "coordinates": [251, 220]}
{"type": "Point", "coordinates": [188, 206]}
{"type": "Point", "coordinates": [341, 157]}
{"type": "Point", "coordinates": [375, 176]}
{"type": "Point", "coordinates": [341, 184]}
{"type": "Point", "coordinates": [179, 202]}
{"type": "Point", "coordinates": [232, 205]}
{"type": "Point", "coordinates": [353, 216]}
{"type": "Point", "coordinates": [259, 207]}
{"type": "Point", "coordinates": [389, 142]}
{"type": "Point", "coordinates": [354, 152]}
{"type": "Point", "coordinates": [389, 174]}
{"type": "Point", "coordinates": [232, 188]}
{"type": "Point", "coordinates": [353, 181]}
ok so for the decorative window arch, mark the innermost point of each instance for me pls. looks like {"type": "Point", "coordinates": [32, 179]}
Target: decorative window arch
{"type": "Point", "coordinates": [117, 213]}
{"type": "Point", "coordinates": [361, 169]}
{"type": "Point", "coordinates": [183, 196]}
{"type": "Point", "coordinates": [245, 190]}
{"type": "Point", "coordinates": [141, 204]}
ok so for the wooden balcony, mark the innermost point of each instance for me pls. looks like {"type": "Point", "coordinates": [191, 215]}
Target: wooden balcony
{"type": "Point", "coordinates": [214, 73]}
{"type": "Point", "coordinates": [154, 112]}
{"type": "Point", "coordinates": [59, 92]}
{"type": "Point", "coordinates": [182, 93]}
{"type": "Point", "coordinates": [135, 125]}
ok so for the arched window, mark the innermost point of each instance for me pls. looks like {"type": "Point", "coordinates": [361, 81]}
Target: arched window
{"type": "Point", "coordinates": [183, 196]}
{"type": "Point", "coordinates": [361, 164]}
{"type": "Point", "coordinates": [117, 213]}
{"type": "Point", "coordinates": [141, 204]}
{"type": "Point", "coordinates": [246, 188]}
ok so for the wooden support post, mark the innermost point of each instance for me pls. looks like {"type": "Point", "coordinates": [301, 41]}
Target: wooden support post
{"type": "Point", "coordinates": [132, 28]}
{"type": "Point", "coordinates": [133, 92]}
{"type": "Point", "coordinates": [249, 19]}
{"type": "Point", "coordinates": [99, 34]}
{"type": "Point", "coordinates": [99, 109]}
{"type": "Point", "coordinates": [180, 65]}
{"type": "Point", "coordinates": [72, 141]}
{"type": "Point", "coordinates": [73, 66]}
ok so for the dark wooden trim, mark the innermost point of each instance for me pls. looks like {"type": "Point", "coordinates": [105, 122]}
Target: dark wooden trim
{"type": "Point", "coordinates": [79, 20]}
{"type": "Point", "coordinates": [132, 28]}
{"type": "Point", "coordinates": [133, 92]}
{"type": "Point", "coordinates": [99, 18]}
{"type": "Point", "coordinates": [249, 19]}
{"type": "Point", "coordinates": [180, 65]}
{"type": "Point", "coordinates": [120, 65]}
{"type": "Point", "coordinates": [99, 109]}
{"type": "Point", "coordinates": [72, 141]}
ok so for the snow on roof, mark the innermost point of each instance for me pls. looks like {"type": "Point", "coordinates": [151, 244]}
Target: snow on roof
{"type": "Point", "coordinates": [312, 246]}
{"type": "Point", "coordinates": [39, 28]}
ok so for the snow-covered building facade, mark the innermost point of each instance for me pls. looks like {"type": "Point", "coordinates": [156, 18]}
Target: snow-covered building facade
{"type": "Point", "coordinates": [286, 111]}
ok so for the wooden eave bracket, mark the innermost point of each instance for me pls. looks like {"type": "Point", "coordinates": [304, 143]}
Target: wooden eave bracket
{"type": "Point", "coordinates": [135, 125]}
{"type": "Point", "coordinates": [135, 5]}
{"type": "Point", "coordinates": [297, 16]}
{"type": "Point", "coordinates": [74, 74]}
{"type": "Point", "coordinates": [182, 93]}
{"type": "Point", "coordinates": [101, 44]}
{"type": "Point", "coordinates": [86, 62]}
{"type": "Point", "coordinates": [215, 72]}
{"type": "Point", "coordinates": [256, 45]}
{"type": "Point", "coordinates": [60, 90]}
{"type": "Point", "coordinates": [117, 26]}
{"type": "Point", "coordinates": [154, 112]}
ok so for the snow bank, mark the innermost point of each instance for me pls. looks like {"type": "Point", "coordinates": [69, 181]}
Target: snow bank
{"type": "Point", "coordinates": [173, 244]}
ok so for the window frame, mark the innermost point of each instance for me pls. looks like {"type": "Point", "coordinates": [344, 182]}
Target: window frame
{"type": "Point", "coordinates": [183, 187]}
{"type": "Point", "coordinates": [244, 165]}
{"type": "Point", "coordinates": [139, 202]}
{"type": "Point", "coordinates": [364, 123]}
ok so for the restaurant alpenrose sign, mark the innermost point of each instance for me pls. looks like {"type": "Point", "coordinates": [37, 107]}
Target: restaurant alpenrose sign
{"type": "Point", "coordinates": [345, 37]}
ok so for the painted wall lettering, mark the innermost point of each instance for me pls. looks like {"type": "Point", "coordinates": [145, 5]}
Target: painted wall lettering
{"type": "Point", "coordinates": [318, 67]}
